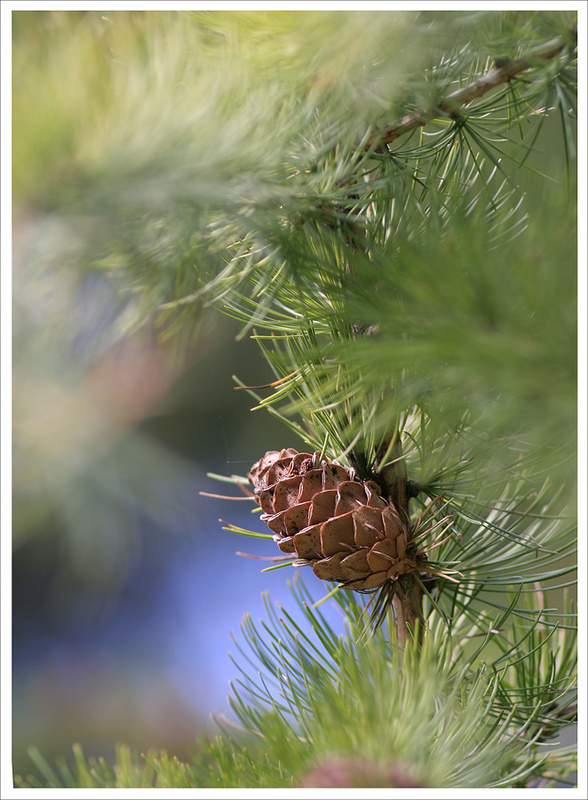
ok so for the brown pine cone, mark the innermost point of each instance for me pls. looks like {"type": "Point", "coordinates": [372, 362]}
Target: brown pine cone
{"type": "Point", "coordinates": [341, 527]}
{"type": "Point", "coordinates": [358, 773]}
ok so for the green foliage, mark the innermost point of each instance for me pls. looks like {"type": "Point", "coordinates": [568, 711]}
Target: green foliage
{"type": "Point", "coordinates": [424, 289]}
{"type": "Point", "coordinates": [476, 702]}
{"type": "Point", "coordinates": [248, 146]}
{"type": "Point", "coordinates": [318, 695]}
{"type": "Point", "coordinates": [154, 770]}
{"type": "Point", "coordinates": [435, 250]}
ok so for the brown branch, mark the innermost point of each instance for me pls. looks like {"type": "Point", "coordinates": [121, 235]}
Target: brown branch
{"type": "Point", "coordinates": [407, 608]}
{"type": "Point", "coordinates": [407, 599]}
{"type": "Point", "coordinates": [453, 103]}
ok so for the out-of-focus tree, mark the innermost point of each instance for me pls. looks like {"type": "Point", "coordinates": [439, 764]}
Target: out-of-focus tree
{"type": "Point", "coordinates": [385, 201]}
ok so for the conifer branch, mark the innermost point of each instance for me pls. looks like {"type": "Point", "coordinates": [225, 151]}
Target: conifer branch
{"type": "Point", "coordinates": [407, 599]}
{"type": "Point", "coordinates": [401, 342]}
{"type": "Point", "coordinates": [502, 72]}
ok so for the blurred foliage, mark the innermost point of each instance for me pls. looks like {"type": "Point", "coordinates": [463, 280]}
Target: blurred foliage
{"type": "Point", "coordinates": [127, 129]}
{"type": "Point", "coordinates": [100, 702]}
{"type": "Point", "coordinates": [295, 715]}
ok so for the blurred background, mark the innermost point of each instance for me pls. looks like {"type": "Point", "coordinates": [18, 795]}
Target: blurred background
{"type": "Point", "coordinates": [125, 586]}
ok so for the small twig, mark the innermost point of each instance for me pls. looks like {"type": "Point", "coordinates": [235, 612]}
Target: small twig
{"type": "Point", "coordinates": [393, 474]}
{"type": "Point", "coordinates": [408, 615]}
{"type": "Point", "coordinates": [451, 105]}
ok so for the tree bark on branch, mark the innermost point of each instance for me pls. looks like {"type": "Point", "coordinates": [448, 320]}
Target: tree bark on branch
{"type": "Point", "coordinates": [453, 103]}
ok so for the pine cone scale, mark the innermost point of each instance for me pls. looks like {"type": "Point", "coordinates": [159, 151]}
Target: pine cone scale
{"type": "Point", "coordinates": [296, 518]}
{"type": "Point", "coordinates": [358, 562]}
{"type": "Point", "coordinates": [379, 562]}
{"type": "Point", "coordinates": [323, 506]}
{"type": "Point", "coordinates": [312, 484]}
{"type": "Point", "coordinates": [329, 569]}
{"type": "Point", "coordinates": [307, 543]}
{"type": "Point", "coordinates": [373, 581]}
{"type": "Point", "coordinates": [337, 533]}
{"type": "Point", "coordinates": [286, 493]}
{"type": "Point", "coordinates": [286, 545]}
{"type": "Point", "coordinates": [371, 519]}
{"type": "Point", "coordinates": [351, 495]}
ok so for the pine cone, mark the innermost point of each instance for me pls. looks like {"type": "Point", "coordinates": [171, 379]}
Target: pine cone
{"type": "Point", "coordinates": [357, 773]}
{"type": "Point", "coordinates": [341, 527]}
